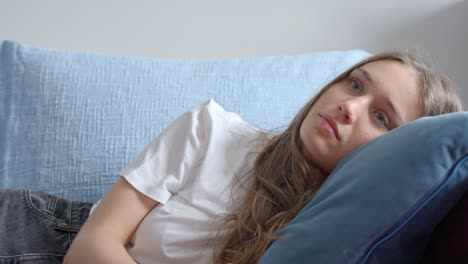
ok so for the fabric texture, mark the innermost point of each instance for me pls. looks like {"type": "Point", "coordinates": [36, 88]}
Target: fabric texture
{"type": "Point", "coordinates": [37, 227]}
{"type": "Point", "coordinates": [384, 199]}
{"type": "Point", "coordinates": [71, 121]}
{"type": "Point", "coordinates": [191, 169]}
{"type": "Point", "coordinates": [449, 241]}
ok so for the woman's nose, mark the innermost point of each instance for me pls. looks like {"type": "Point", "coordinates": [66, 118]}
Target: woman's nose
{"type": "Point", "coordinates": [351, 109]}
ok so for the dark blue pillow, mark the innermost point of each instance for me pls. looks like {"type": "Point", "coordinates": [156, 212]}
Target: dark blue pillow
{"type": "Point", "coordinates": [384, 199]}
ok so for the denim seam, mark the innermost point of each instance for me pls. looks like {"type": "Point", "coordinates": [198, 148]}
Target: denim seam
{"type": "Point", "coordinates": [69, 217]}
{"type": "Point", "coordinates": [52, 204]}
{"type": "Point", "coordinates": [32, 255]}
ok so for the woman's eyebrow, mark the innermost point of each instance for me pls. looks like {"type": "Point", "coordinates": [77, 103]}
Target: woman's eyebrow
{"type": "Point", "coordinates": [367, 75]}
{"type": "Point", "coordinates": [396, 113]}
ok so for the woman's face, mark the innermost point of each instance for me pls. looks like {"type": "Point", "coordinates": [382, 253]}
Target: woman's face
{"type": "Point", "coordinates": [372, 100]}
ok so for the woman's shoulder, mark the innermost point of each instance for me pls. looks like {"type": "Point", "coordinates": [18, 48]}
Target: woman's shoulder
{"type": "Point", "coordinates": [212, 107]}
{"type": "Point", "coordinates": [235, 120]}
{"type": "Point", "coordinates": [230, 129]}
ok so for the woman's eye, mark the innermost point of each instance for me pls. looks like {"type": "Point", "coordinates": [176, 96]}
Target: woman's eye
{"type": "Point", "coordinates": [381, 118]}
{"type": "Point", "coordinates": [355, 85]}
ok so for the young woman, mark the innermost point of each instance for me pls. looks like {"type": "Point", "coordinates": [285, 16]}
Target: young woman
{"type": "Point", "coordinates": [213, 189]}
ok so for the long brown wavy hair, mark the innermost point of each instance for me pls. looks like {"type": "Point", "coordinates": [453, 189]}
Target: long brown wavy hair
{"type": "Point", "coordinates": [284, 182]}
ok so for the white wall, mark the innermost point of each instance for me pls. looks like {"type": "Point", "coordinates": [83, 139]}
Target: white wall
{"type": "Point", "coordinates": [443, 35]}
{"type": "Point", "coordinates": [244, 28]}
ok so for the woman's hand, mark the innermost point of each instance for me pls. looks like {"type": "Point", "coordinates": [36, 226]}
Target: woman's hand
{"type": "Point", "coordinates": [110, 227]}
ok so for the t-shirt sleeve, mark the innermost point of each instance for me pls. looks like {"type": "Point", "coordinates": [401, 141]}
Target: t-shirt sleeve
{"type": "Point", "coordinates": [166, 164]}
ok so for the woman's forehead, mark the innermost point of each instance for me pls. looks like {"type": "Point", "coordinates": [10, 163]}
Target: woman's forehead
{"type": "Point", "coordinates": [396, 81]}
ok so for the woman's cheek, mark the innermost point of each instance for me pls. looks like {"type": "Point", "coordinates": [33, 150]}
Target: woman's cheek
{"type": "Point", "coordinates": [366, 137]}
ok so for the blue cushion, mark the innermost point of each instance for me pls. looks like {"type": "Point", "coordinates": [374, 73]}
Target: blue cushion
{"type": "Point", "coordinates": [383, 200]}
{"type": "Point", "coordinates": [71, 121]}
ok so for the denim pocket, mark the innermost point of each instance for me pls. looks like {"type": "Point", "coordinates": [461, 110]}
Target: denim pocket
{"type": "Point", "coordinates": [64, 216]}
{"type": "Point", "coordinates": [43, 204]}
{"type": "Point", "coordinates": [35, 227]}
{"type": "Point", "coordinates": [27, 233]}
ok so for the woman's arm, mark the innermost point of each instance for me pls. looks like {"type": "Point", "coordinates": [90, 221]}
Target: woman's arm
{"type": "Point", "coordinates": [110, 227]}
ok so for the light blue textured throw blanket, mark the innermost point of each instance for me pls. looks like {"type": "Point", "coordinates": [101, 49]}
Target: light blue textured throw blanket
{"type": "Point", "coordinates": [70, 121]}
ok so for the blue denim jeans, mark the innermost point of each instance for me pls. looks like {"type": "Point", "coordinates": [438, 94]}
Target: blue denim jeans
{"type": "Point", "coordinates": [37, 227]}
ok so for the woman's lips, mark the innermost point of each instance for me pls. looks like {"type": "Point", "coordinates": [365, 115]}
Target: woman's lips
{"type": "Point", "coordinates": [329, 120]}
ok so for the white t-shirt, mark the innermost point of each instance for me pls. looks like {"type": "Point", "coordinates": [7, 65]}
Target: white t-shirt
{"type": "Point", "coordinates": [190, 170]}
